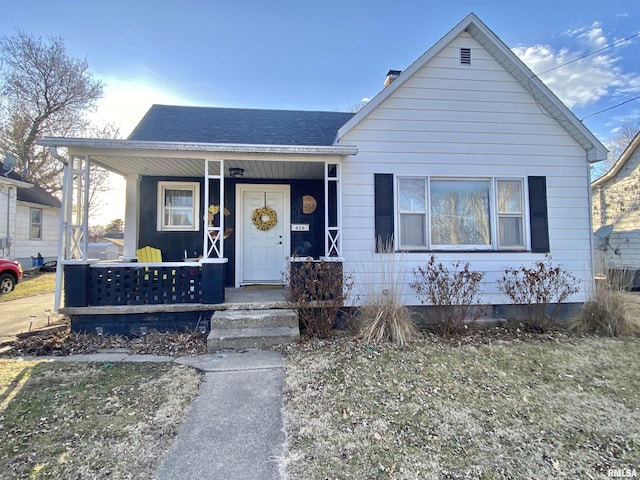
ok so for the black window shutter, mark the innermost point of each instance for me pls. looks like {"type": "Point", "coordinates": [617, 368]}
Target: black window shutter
{"type": "Point", "coordinates": [384, 224]}
{"type": "Point", "coordinates": [538, 214]}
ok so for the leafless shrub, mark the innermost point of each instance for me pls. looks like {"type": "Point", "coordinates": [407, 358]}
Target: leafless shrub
{"type": "Point", "coordinates": [538, 290]}
{"type": "Point", "coordinates": [454, 292]}
{"type": "Point", "coordinates": [317, 289]}
{"type": "Point", "coordinates": [382, 315]}
{"type": "Point", "coordinates": [607, 313]}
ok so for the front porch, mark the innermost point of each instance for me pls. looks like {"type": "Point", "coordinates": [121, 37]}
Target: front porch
{"type": "Point", "coordinates": [130, 319]}
{"type": "Point", "coordinates": [196, 204]}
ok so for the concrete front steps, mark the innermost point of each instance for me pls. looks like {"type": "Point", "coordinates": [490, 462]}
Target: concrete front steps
{"type": "Point", "coordinates": [238, 329]}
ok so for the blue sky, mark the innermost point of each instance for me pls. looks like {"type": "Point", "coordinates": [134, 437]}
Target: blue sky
{"type": "Point", "coordinates": [326, 55]}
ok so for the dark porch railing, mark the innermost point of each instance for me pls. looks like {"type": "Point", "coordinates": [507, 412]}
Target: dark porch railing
{"type": "Point", "coordinates": [113, 284]}
{"type": "Point", "coordinates": [145, 284]}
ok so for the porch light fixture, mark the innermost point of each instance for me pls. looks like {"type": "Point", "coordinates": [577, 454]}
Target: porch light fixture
{"type": "Point", "coordinates": [235, 172]}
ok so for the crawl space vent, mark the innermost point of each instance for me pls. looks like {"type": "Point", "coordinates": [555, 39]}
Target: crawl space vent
{"type": "Point", "coordinates": [465, 56]}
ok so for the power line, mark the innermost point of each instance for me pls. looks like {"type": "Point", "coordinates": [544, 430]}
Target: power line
{"type": "Point", "coordinates": [589, 54]}
{"type": "Point", "coordinates": [610, 108]}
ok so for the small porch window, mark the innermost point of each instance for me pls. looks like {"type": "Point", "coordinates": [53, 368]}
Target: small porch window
{"type": "Point", "coordinates": [35, 225]}
{"type": "Point", "coordinates": [178, 206]}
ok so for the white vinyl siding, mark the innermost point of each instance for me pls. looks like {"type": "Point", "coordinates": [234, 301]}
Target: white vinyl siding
{"type": "Point", "coordinates": [24, 248]}
{"type": "Point", "coordinates": [474, 121]}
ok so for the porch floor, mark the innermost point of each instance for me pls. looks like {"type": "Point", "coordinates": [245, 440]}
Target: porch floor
{"type": "Point", "coordinates": [254, 297]}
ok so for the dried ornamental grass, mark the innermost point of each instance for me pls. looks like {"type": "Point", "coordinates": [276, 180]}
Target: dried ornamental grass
{"type": "Point", "coordinates": [607, 313]}
{"type": "Point", "coordinates": [387, 321]}
{"type": "Point", "coordinates": [383, 317]}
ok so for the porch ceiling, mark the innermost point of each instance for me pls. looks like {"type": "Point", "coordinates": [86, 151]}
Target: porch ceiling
{"type": "Point", "coordinates": [127, 157]}
{"type": "Point", "coordinates": [194, 167]}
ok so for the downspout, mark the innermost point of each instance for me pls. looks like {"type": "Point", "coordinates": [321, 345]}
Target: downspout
{"type": "Point", "coordinates": [62, 230]}
{"type": "Point", "coordinates": [9, 188]}
{"type": "Point", "coordinates": [592, 267]}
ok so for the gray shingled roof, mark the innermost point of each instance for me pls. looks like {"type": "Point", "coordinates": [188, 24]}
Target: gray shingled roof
{"type": "Point", "coordinates": [35, 194]}
{"type": "Point", "coordinates": [167, 123]}
{"type": "Point", "coordinates": [38, 195]}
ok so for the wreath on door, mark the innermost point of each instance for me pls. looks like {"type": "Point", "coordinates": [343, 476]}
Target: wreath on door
{"type": "Point", "coordinates": [264, 218]}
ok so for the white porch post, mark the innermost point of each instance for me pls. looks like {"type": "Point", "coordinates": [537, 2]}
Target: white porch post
{"type": "Point", "coordinates": [77, 188]}
{"type": "Point", "coordinates": [65, 219]}
{"type": "Point", "coordinates": [333, 200]}
{"type": "Point", "coordinates": [131, 216]}
{"type": "Point", "coordinates": [86, 185]}
{"type": "Point", "coordinates": [213, 243]}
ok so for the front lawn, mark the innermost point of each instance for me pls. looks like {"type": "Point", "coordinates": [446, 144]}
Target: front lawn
{"type": "Point", "coordinates": [89, 420]}
{"type": "Point", "coordinates": [496, 410]}
{"type": "Point", "coordinates": [32, 284]}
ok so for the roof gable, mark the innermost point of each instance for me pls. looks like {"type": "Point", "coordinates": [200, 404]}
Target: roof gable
{"type": "Point", "coordinates": [512, 64]}
{"type": "Point", "coordinates": [168, 123]}
{"type": "Point", "coordinates": [621, 162]}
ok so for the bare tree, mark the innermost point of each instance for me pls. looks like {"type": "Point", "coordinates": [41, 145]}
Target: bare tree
{"type": "Point", "coordinates": [99, 177]}
{"type": "Point", "coordinates": [96, 233]}
{"type": "Point", "coordinates": [617, 145]}
{"type": "Point", "coordinates": [622, 139]}
{"type": "Point", "coordinates": [45, 92]}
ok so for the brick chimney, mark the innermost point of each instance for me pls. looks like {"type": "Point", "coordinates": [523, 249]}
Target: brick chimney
{"type": "Point", "coordinates": [391, 76]}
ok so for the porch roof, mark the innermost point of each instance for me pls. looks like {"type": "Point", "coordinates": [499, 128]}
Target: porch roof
{"type": "Point", "coordinates": [186, 159]}
{"type": "Point", "coordinates": [175, 123]}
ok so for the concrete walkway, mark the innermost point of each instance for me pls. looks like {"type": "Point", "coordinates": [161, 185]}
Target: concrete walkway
{"type": "Point", "coordinates": [234, 428]}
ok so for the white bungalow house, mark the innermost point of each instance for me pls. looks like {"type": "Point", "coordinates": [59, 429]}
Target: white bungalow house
{"type": "Point", "coordinates": [465, 154]}
{"type": "Point", "coordinates": [29, 220]}
{"type": "Point", "coordinates": [616, 214]}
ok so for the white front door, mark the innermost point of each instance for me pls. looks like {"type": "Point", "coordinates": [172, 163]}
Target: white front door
{"type": "Point", "coordinates": [261, 254]}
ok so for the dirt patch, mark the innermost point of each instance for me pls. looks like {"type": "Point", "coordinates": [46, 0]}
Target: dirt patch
{"type": "Point", "coordinates": [66, 342]}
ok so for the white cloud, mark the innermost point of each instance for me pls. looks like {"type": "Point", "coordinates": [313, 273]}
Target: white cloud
{"type": "Point", "coordinates": [585, 81]}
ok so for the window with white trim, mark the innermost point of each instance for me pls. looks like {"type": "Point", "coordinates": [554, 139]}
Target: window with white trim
{"type": "Point", "coordinates": [443, 213]}
{"type": "Point", "coordinates": [178, 206]}
{"type": "Point", "coordinates": [35, 224]}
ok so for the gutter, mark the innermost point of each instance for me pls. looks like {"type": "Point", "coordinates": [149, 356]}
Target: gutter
{"type": "Point", "coordinates": [87, 143]}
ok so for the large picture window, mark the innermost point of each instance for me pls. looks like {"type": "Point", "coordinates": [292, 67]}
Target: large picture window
{"type": "Point", "coordinates": [35, 225]}
{"type": "Point", "coordinates": [460, 213]}
{"type": "Point", "coordinates": [178, 206]}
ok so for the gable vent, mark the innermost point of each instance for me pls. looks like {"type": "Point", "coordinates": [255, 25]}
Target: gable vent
{"type": "Point", "coordinates": [465, 56]}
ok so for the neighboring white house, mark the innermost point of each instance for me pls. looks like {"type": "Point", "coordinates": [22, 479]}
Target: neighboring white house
{"type": "Point", "coordinates": [29, 220]}
{"type": "Point", "coordinates": [465, 154]}
{"type": "Point", "coordinates": [616, 212]}
{"type": "Point", "coordinates": [106, 249]}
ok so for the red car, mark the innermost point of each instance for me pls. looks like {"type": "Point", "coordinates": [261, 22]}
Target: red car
{"type": "Point", "coordinates": [10, 274]}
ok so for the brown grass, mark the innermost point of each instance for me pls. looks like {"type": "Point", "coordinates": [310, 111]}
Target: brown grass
{"type": "Point", "coordinates": [89, 420]}
{"type": "Point", "coordinates": [30, 285]}
{"type": "Point", "coordinates": [491, 411]}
